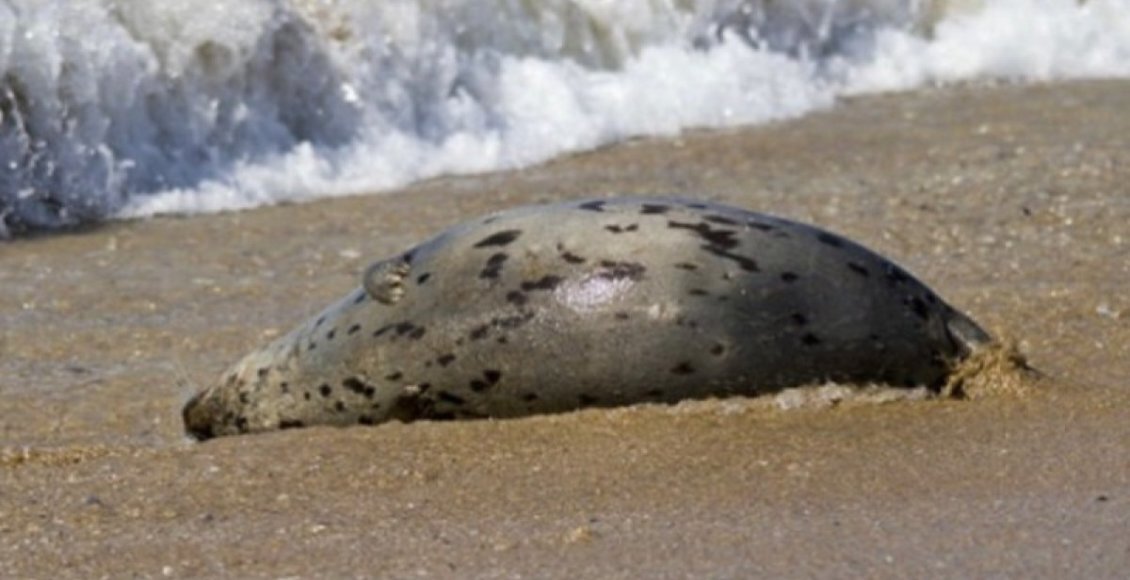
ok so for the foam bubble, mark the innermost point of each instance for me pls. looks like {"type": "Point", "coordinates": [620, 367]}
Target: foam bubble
{"type": "Point", "coordinates": [1055, 39]}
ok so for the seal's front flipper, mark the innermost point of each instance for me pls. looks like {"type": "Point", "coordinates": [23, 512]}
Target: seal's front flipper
{"type": "Point", "coordinates": [384, 280]}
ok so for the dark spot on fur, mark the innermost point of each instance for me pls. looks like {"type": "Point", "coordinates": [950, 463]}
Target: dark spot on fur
{"type": "Point", "coordinates": [359, 387]}
{"type": "Point", "coordinates": [720, 219]}
{"type": "Point", "coordinates": [339, 406]}
{"type": "Point", "coordinates": [620, 270]}
{"type": "Point", "coordinates": [654, 393]}
{"type": "Point", "coordinates": [502, 238]}
{"type": "Point", "coordinates": [331, 334]}
{"type": "Point", "coordinates": [698, 292]}
{"type": "Point", "coordinates": [718, 349]}
{"type": "Point", "coordinates": [423, 277]}
{"type": "Point", "coordinates": [445, 360]}
{"type": "Point", "coordinates": [696, 205]}
{"type": "Point", "coordinates": [290, 424]}
{"type": "Point", "coordinates": [572, 258]}
{"type": "Point", "coordinates": [284, 387]}
{"type": "Point", "coordinates": [587, 400]}
{"type": "Point", "coordinates": [621, 315]}
{"type": "Point", "coordinates": [653, 209]}
{"type": "Point", "coordinates": [918, 307]}
{"type": "Point", "coordinates": [480, 332]}
{"type": "Point", "coordinates": [683, 368]}
{"type": "Point", "coordinates": [263, 372]}
{"type": "Point", "coordinates": [798, 319]}
{"type": "Point", "coordinates": [306, 395]}
{"type": "Point", "coordinates": [830, 239]}
{"type": "Point", "coordinates": [353, 329]}
{"type": "Point", "coordinates": [405, 327]}
{"type": "Point", "coordinates": [529, 397]}
{"type": "Point", "coordinates": [477, 385]}
{"type": "Point", "coordinates": [719, 238]}
{"type": "Point", "coordinates": [896, 275]}
{"type": "Point", "coordinates": [409, 407]}
{"type": "Point", "coordinates": [512, 321]}
{"type": "Point", "coordinates": [517, 298]}
{"type": "Point", "coordinates": [746, 263]}
{"type": "Point", "coordinates": [548, 282]}
{"type": "Point", "coordinates": [365, 420]}
{"type": "Point", "coordinates": [354, 384]}
{"type": "Point", "coordinates": [859, 269]}
{"type": "Point", "coordinates": [617, 229]}
{"type": "Point", "coordinates": [493, 266]}
{"type": "Point", "coordinates": [319, 322]}
{"type": "Point", "coordinates": [409, 256]}
{"type": "Point", "coordinates": [241, 424]}
{"type": "Point", "coordinates": [686, 266]}
{"type": "Point", "coordinates": [382, 330]}
{"type": "Point", "coordinates": [492, 376]}
{"type": "Point", "coordinates": [595, 205]}
{"type": "Point", "coordinates": [810, 339]}
{"type": "Point", "coordinates": [244, 397]}
{"type": "Point", "coordinates": [502, 340]}
{"type": "Point", "coordinates": [759, 226]}
{"type": "Point", "coordinates": [417, 333]}
{"type": "Point", "coordinates": [450, 398]}
{"type": "Point", "coordinates": [326, 390]}
{"type": "Point", "coordinates": [789, 277]}
{"type": "Point", "coordinates": [360, 298]}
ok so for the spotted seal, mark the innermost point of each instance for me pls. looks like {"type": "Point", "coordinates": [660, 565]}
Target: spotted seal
{"type": "Point", "coordinates": [599, 302]}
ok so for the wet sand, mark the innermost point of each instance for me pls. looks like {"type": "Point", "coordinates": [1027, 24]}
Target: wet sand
{"type": "Point", "coordinates": [1012, 202]}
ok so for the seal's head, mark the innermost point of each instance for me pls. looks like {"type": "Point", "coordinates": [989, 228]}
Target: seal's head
{"type": "Point", "coordinates": [315, 375]}
{"type": "Point", "coordinates": [235, 404]}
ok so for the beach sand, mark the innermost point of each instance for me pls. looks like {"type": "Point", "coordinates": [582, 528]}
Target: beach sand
{"type": "Point", "coordinates": [1013, 202]}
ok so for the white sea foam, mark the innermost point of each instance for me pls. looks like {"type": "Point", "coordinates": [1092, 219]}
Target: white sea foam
{"type": "Point", "coordinates": [132, 108]}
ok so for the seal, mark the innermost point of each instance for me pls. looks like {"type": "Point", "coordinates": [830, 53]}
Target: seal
{"type": "Point", "coordinates": [599, 302]}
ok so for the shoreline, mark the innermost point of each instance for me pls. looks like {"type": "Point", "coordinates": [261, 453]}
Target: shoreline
{"type": "Point", "coordinates": [1010, 201]}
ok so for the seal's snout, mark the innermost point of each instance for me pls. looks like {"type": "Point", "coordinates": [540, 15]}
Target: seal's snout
{"type": "Point", "coordinates": [197, 416]}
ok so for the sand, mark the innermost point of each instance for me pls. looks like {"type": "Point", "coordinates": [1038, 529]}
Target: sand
{"type": "Point", "coordinates": [1012, 201]}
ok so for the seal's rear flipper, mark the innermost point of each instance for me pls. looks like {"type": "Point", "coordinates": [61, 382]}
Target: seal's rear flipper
{"type": "Point", "coordinates": [966, 334]}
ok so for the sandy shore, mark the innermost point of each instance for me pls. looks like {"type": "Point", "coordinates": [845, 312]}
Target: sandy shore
{"type": "Point", "coordinates": [1012, 202]}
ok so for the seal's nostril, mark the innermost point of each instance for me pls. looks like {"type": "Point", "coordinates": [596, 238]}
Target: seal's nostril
{"type": "Point", "coordinates": [201, 433]}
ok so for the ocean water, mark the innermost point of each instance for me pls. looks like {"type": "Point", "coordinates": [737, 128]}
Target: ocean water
{"type": "Point", "coordinates": [123, 108]}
